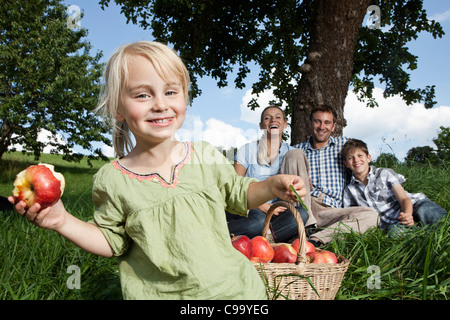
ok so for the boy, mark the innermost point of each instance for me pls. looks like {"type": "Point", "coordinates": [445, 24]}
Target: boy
{"type": "Point", "coordinates": [381, 188]}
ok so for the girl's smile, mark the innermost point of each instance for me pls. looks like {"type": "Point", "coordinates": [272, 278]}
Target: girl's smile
{"type": "Point", "coordinates": [153, 107]}
{"type": "Point", "coordinates": [161, 122]}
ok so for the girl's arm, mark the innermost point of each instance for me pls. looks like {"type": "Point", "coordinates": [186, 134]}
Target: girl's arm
{"type": "Point", "coordinates": [241, 170]}
{"type": "Point", "coordinates": [85, 235]}
{"type": "Point", "coordinates": [275, 186]}
{"type": "Point", "coordinates": [406, 216]}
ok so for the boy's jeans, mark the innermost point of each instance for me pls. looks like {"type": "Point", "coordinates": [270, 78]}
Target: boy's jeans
{"type": "Point", "coordinates": [284, 226]}
{"type": "Point", "coordinates": [425, 212]}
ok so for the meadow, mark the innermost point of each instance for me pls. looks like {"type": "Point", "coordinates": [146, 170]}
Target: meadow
{"type": "Point", "coordinates": [37, 264]}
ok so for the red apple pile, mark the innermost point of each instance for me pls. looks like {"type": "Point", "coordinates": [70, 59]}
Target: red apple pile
{"type": "Point", "coordinates": [259, 250]}
{"type": "Point", "coordinates": [262, 250]}
{"type": "Point", "coordinates": [243, 244]}
{"type": "Point", "coordinates": [284, 253]}
{"type": "Point", "coordinates": [39, 184]}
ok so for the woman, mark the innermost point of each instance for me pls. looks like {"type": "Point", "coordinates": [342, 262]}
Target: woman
{"type": "Point", "coordinates": [262, 159]}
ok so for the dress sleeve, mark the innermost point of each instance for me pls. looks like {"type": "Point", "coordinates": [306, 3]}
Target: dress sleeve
{"type": "Point", "coordinates": [108, 216]}
{"type": "Point", "coordinates": [233, 187]}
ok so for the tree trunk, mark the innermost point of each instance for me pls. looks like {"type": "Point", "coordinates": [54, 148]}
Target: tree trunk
{"type": "Point", "coordinates": [327, 71]}
{"type": "Point", "coordinates": [5, 137]}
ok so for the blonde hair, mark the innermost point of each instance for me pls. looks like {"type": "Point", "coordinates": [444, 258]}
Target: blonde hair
{"type": "Point", "coordinates": [263, 157]}
{"type": "Point", "coordinates": [167, 64]}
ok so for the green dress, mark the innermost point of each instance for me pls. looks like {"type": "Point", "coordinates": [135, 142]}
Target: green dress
{"type": "Point", "coordinates": [171, 237]}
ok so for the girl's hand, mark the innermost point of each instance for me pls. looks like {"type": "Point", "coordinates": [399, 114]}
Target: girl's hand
{"type": "Point", "coordinates": [281, 187]}
{"type": "Point", "coordinates": [49, 218]}
{"type": "Point", "coordinates": [406, 219]}
{"type": "Point", "coordinates": [273, 187]}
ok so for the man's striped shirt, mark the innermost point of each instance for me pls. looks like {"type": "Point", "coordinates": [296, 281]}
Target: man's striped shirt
{"type": "Point", "coordinates": [328, 173]}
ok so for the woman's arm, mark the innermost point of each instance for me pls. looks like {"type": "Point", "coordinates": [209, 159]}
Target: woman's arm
{"type": "Point", "coordinates": [240, 169]}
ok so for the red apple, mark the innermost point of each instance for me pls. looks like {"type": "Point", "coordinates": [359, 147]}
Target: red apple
{"type": "Point", "coordinates": [285, 253]}
{"type": "Point", "coordinates": [39, 184]}
{"type": "Point", "coordinates": [316, 257]}
{"type": "Point", "coordinates": [243, 244]}
{"type": "Point", "coordinates": [330, 257]}
{"type": "Point", "coordinates": [309, 246]}
{"type": "Point", "coordinates": [262, 250]}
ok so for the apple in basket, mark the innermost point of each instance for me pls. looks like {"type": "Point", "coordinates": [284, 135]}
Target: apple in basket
{"type": "Point", "coordinates": [309, 246]}
{"type": "Point", "coordinates": [243, 244]}
{"type": "Point", "coordinates": [39, 184]}
{"type": "Point", "coordinates": [316, 257]}
{"type": "Point", "coordinates": [285, 253]}
{"type": "Point", "coordinates": [322, 257]}
{"type": "Point", "coordinates": [262, 250]}
{"type": "Point", "coordinates": [329, 256]}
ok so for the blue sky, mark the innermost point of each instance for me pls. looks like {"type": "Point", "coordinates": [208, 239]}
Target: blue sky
{"type": "Point", "coordinates": [221, 117]}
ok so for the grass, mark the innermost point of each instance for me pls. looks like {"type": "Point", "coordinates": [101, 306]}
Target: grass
{"type": "Point", "coordinates": [34, 262]}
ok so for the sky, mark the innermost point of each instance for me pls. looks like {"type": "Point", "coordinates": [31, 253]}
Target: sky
{"type": "Point", "coordinates": [221, 116]}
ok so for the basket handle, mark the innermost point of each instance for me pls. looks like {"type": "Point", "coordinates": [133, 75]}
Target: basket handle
{"type": "Point", "coordinates": [301, 255]}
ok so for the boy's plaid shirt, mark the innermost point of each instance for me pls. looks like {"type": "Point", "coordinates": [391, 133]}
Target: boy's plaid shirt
{"type": "Point", "coordinates": [328, 173]}
{"type": "Point", "coordinates": [378, 194]}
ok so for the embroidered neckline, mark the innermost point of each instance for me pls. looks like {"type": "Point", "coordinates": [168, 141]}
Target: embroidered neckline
{"type": "Point", "coordinates": [155, 175]}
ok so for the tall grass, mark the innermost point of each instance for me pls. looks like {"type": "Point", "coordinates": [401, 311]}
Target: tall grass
{"type": "Point", "coordinates": [34, 262]}
{"type": "Point", "coordinates": [415, 266]}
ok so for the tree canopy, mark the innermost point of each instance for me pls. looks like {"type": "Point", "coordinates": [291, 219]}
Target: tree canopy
{"type": "Point", "coordinates": [286, 39]}
{"type": "Point", "coordinates": [48, 80]}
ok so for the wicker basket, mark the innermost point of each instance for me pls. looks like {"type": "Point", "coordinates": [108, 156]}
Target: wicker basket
{"type": "Point", "coordinates": [300, 280]}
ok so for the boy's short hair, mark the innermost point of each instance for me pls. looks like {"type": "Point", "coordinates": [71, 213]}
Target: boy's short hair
{"type": "Point", "coordinates": [352, 144]}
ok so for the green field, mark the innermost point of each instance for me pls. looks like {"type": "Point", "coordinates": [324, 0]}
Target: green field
{"type": "Point", "coordinates": [40, 264]}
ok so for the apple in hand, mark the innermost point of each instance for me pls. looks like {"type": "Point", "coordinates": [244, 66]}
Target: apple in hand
{"type": "Point", "coordinates": [285, 253]}
{"type": "Point", "coordinates": [330, 257]}
{"type": "Point", "coordinates": [39, 184]}
{"type": "Point", "coordinates": [262, 250]}
{"type": "Point", "coordinates": [243, 244]}
{"type": "Point", "coordinates": [309, 246]}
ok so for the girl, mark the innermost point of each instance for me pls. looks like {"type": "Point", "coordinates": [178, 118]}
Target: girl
{"type": "Point", "coordinates": [160, 204]}
{"type": "Point", "coordinates": [262, 159]}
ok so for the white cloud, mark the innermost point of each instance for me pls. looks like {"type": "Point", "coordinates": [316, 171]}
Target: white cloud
{"type": "Point", "coordinates": [216, 132]}
{"type": "Point", "coordinates": [222, 134]}
{"type": "Point", "coordinates": [44, 136]}
{"type": "Point", "coordinates": [393, 127]}
{"type": "Point", "coordinates": [254, 116]}
{"type": "Point", "coordinates": [441, 17]}
{"type": "Point", "coordinates": [108, 151]}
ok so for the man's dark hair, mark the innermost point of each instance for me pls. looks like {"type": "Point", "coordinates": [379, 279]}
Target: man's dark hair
{"type": "Point", "coordinates": [323, 108]}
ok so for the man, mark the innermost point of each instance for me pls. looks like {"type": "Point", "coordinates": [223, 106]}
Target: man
{"type": "Point", "coordinates": [320, 159]}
